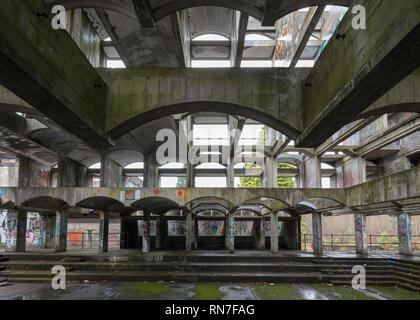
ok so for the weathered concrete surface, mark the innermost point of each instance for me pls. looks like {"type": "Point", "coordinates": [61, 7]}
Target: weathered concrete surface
{"type": "Point", "coordinates": [352, 73]}
{"type": "Point", "coordinates": [137, 96]}
{"type": "Point", "coordinates": [46, 68]}
{"type": "Point", "coordinates": [404, 97]}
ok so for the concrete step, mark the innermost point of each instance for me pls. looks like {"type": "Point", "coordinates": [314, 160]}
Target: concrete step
{"type": "Point", "coordinates": [172, 276]}
{"type": "Point", "coordinates": [3, 258]}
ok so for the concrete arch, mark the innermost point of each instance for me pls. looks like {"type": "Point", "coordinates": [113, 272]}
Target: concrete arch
{"type": "Point", "coordinates": [44, 204]}
{"type": "Point", "coordinates": [273, 204]}
{"type": "Point", "coordinates": [101, 203]}
{"type": "Point", "coordinates": [245, 6]}
{"type": "Point", "coordinates": [320, 204]}
{"type": "Point", "coordinates": [270, 96]}
{"type": "Point", "coordinates": [396, 108]}
{"type": "Point", "coordinates": [210, 200]}
{"type": "Point", "coordinates": [157, 205]}
{"type": "Point", "coordinates": [121, 6]}
{"type": "Point", "coordinates": [294, 160]}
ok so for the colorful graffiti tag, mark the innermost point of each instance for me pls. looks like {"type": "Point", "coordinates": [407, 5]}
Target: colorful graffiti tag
{"type": "Point", "coordinates": [35, 229]}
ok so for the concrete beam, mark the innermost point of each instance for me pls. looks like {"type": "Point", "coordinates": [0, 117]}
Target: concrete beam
{"type": "Point", "coordinates": [144, 13]}
{"type": "Point", "coordinates": [138, 96]}
{"type": "Point", "coordinates": [357, 69]}
{"type": "Point", "coordinates": [47, 69]}
{"type": "Point", "coordinates": [308, 28]}
{"type": "Point", "coordinates": [391, 135]}
{"type": "Point", "coordinates": [243, 26]}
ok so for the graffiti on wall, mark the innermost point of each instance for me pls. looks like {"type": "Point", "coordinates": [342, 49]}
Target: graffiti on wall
{"type": "Point", "coordinates": [3, 227]}
{"type": "Point", "coordinates": [41, 179]}
{"type": "Point", "coordinates": [35, 229]}
{"type": "Point", "coordinates": [211, 228]}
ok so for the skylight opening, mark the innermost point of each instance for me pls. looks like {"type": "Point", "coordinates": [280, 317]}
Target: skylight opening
{"type": "Point", "coordinates": [115, 64]}
{"type": "Point", "coordinates": [210, 37]}
{"type": "Point", "coordinates": [210, 64]}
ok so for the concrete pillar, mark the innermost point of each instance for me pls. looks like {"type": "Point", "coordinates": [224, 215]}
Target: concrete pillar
{"type": "Point", "coordinates": [188, 232]}
{"type": "Point", "coordinates": [21, 230]}
{"type": "Point", "coordinates": [317, 232]}
{"type": "Point", "coordinates": [90, 239]}
{"type": "Point", "coordinates": [274, 232]}
{"type": "Point", "coordinates": [405, 236]}
{"type": "Point", "coordinates": [103, 230]}
{"type": "Point", "coordinates": [354, 171]}
{"type": "Point", "coordinates": [163, 233]}
{"type": "Point", "coordinates": [230, 232]}
{"type": "Point", "coordinates": [50, 232]}
{"type": "Point", "coordinates": [313, 178]}
{"type": "Point", "coordinates": [11, 231]}
{"type": "Point", "coordinates": [151, 175]}
{"type": "Point", "coordinates": [146, 232]}
{"type": "Point", "coordinates": [270, 173]}
{"type": "Point", "coordinates": [361, 233]}
{"type": "Point", "coordinates": [260, 234]}
{"type": "Point", "coordinates": [190, 142]}
{"type": "Point", "coordinates": [196, 234]}
{"type": "Point", "coordinates": [71, 173]}
{"type": "Point", "coordinates": [112, 174]}
{"type": "Point", "coordinates": [61, 231]}
{"type": "Point", "coordinates": [33, 174]}
{"type": "Point", "coordinates": [157, 236]}
{"type": "Point", "coordinates": [123, 233]}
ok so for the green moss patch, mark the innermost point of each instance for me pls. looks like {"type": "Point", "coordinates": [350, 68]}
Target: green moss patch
{"type": "Point", "coordinates": [148, 290]}
{"type": "Point", "coordinates": [396, 293]}
{"type": "Point", "coordinates": [276, 292]}
{"type": "Point", "coordinates": [342, 293]}
{"type": "Point", "coordinates": [207, 291]}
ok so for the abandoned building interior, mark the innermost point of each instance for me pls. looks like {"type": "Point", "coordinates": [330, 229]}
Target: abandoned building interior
{"type": "Point", "coordinates": [312, 127]}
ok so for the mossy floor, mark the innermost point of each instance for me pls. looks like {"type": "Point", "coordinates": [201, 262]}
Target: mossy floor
{"type": "Point", "coordinates": [201, 291]}
{"type": "Point", "coordinates": [220, 291]}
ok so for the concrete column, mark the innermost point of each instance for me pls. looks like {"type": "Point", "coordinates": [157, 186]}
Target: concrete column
{"type": "Point", "coordinates": [11, 231]}
{"type": "Point", "coordinates": [30, 172]}
{"type": "Point", "coordinates": [112, 174]}
{"type": "Point", "coordinates": [196, 234]}
{"type": "Point", "coordinates": [317, 232]}
{"type": "Point", "coordinates": [274, 232]}
{"type": "Point", "coordinates": [361, 233]}
{"type": "Point", "coordinates": [270, 173]}
{"type": "Point", "coordinates": [190, 142]}
{"type": "Point", "coordinates": [61, 222]}
{"type": "Point", "coordinates": [103, 230]}
{"type": "Point", "coordinates": [151, 175]}
{"type": "Point", "coordinates": [157, 236]}
{"type": "Point", "coordinates": [354, 171]}
{"type": "Point", "coordinates": [260, 234]}
{"type": "Point", "coordinates": [146, 232]}
{"type": "Point", "coordinates": [188, 232]}
{"type": "Point", "coordinates": [163, 233]}
{"type": "Point", "coordinates": [50, 232]}
{"type": "Point", "coordinates": [123, 233]}
{"type": "Point", "coordinates": [405, 236]}
{"type": "Point", "coordinates": [71, 173]}
{"type": "Point", "coordinates": [230, 228]}
{"type": "Point", "coordinates": [21, 230]}
{"type": "Point", "coordinates": [90, 239]}
{"type": "Point", "coordinates": [313, 178]}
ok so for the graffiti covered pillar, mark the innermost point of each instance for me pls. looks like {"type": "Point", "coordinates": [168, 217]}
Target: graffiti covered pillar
{"type": "Point", "coordinates": [405, 236]}
{"type": "Point", "coordinates": [146, 232]}
{"type": "Point", "coordinates": [22, 216]}
{"type": "Point", "coordinates": [361, 233]}
{"type": "Point", "coordinates": [317, 232]}
{"type": "Point", "coordinates": [61, 223]}
{"type": "Point", "coordinates": [50, 223]}
{"type": "Point", "coordinates": [188, 232]}
{"type": "Point", "coordinates": [11, 230]}
{"type": "Point", "coordinates": [274, 232]}
{"type": "Point", "coordinates": [103, 230]}
{"type": "Point", "coordinates": [230, 224]}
